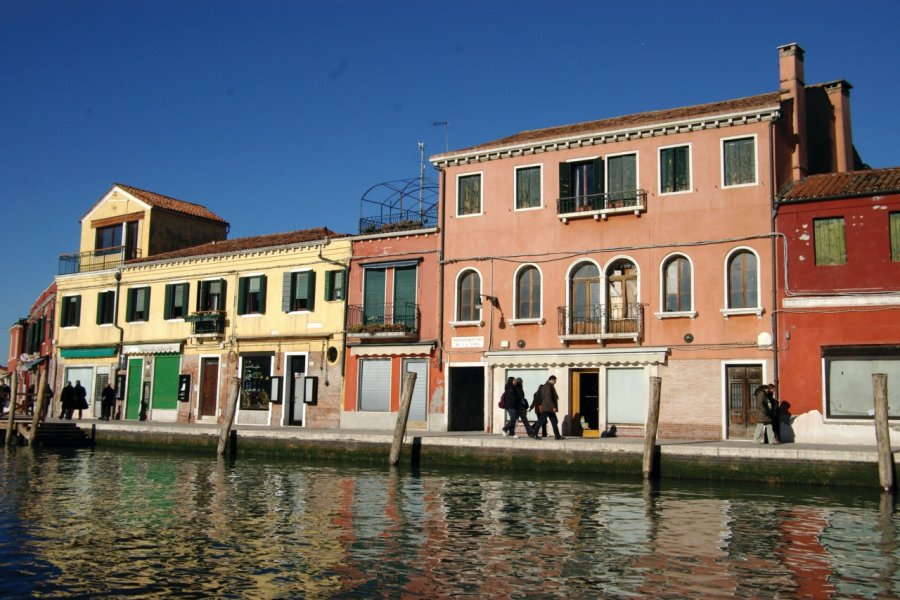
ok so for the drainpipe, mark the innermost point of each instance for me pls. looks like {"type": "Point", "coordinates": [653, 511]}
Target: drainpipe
{"type": "Point", "coordinates": [774, 249]}
{"type": "Point", "coordinates": [440, 302]}
{"type": "Point", "coordinates": [346, 269]}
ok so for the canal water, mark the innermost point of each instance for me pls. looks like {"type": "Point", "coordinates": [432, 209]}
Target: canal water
{"type": "Point", "coordinates": [94, 523]}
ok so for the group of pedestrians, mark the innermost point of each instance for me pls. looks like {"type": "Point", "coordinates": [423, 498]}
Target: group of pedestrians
{"type": "Point", "coordinates": [545, 403]}
{"type": "Point", "coordinates": [72, 399]}
{"type": "Point", "coordinates": [768, 420]}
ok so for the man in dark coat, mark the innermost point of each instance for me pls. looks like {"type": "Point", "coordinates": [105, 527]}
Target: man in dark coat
{"type": "Point", "coordinates": [66, 401]}
{"type": "Point", "coordinates": [80, 399]}
{"type": "Point", "coordinates": [107, 400]}
{"type": "Point", "coordinates": [549, 406]}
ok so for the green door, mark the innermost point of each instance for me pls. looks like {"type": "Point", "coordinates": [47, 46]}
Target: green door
{"type": "Point", "coordinates": [165, 381]}
{"type": "Point", "coordinates": [133, 401]}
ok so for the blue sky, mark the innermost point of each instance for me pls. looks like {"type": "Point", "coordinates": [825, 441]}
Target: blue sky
{"type": "Point", "coordinates": [280, 115]}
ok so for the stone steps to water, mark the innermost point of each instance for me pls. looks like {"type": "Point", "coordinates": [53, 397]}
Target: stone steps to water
{"type": "Point", "coordinates": [61, 434]}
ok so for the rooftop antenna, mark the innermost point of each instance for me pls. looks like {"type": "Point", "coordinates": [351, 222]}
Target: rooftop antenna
{"type": "Point", "coordinates": [421, 179]}
{"type": "Point", "coordinates": [446, 133]}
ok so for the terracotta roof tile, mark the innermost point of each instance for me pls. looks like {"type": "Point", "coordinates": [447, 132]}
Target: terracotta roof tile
{"type": "Point", "coordinates": [271, 240]}
{"type": "Point", "coordinates": [615, 123]}
{"type": "Point", "coordinates": [172, 204]}
{"type": "Point", "coordinates": [844, 185]}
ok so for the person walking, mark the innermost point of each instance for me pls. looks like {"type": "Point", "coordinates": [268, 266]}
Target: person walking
{"type": "Point", "coordinates": [517, 399]}
{"type": "Point", "coordinates": [549, 407]}
{"type": "Point", "coordinates": [536, 407]}
{"type": "Point", "coordinates": [107, 400]}
{"type": "Point", "coordinates": [763, 416]}
{"type": "Point", "coordinates": [772, 407]}
{"type": "Point", "coordinates": [81, 402]}
{"type": "Point", "coordinates": [66, 401]}
{"type": "Point", "coordinates": [509, 405]}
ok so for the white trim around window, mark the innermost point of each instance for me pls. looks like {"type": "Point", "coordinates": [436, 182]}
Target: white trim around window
{"type": "Point", "coordinates": [516, 170]}
{"type": "Point", "coordinates": [515, 296]}
{"type": "Point", "coordinates": [673, 314]}
{"type": "Point", "coordinates": [480, 320]}
{"type": "Point", "coordinates": [690, 182]}
{"type": "Point", "coordinates": [637, 168]}
{"type": "Point", "coordinates": [749, 310]}
{"type": "Point", "coordinates": [480, 211]}
{"type": "Point", "coordinates": [722, 142]}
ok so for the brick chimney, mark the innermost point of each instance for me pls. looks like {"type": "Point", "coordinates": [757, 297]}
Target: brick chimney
{"type": "Point", "coordinates": [793, 100]}
{"type": "Point", "coordinates": [839, 97]}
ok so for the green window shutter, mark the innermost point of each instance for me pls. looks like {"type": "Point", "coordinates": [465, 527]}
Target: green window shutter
{"type": "Point", "coordinates": [895, 236]}
{"type": "Point", "coordinates": [77, 310]}
{"type": "Point", "coordinates": [167, 309]}
{"type": "Point", "coordinates": [242, 295]}
{"type": "Point", "coordinates": [830, 244]}
{"type": "Point", "coordinates": [373, 296]}
{"type": "Point", "coordinates": [565, 180]}
{"type": "Point", "coordinates": [223, 297]}
{"type": "Point", "coordinates": [100, 298]}
{"type": "Point", "coordinates": [599, 181]}
{"type": "Point", "coordinates": [667, 170]}
{"type": "Point", "coordinates": [405, 296]}
{"type": "Point", "coordinates": [329, 284]}
{"type": "Point", "coordinates": [200, 287]}
{"type": "Point", "coordinates": [262, 294]}
{"type": "Point", "coordinates": [682, 168]}
{"type": "Point", "coordinates": [311, 291]}
{"type": "Point", "coordinates": [286, 291]}
{"type": "Point", "coordinates": [129, 308]}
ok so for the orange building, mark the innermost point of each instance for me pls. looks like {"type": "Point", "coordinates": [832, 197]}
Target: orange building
{"type": "Point", "coordinates": [612, 251]}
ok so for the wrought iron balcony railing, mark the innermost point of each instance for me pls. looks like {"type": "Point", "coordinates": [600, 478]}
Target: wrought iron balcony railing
{"type": "Point", "coordinates": [622, 320]}
{"type": "Point", "coordinates": [96, 260]}
{"type": "Point", "coordinates": [610, 202]}
{"type": "Point", "coordinates": [207, 323]}
{"type": "Point", "coordinates": [375, 319]}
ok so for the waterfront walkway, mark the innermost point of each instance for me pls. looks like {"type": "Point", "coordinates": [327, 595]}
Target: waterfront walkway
{"type": "Point", "coordinates": [576, 447]}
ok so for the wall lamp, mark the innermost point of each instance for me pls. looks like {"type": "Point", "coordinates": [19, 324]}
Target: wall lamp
{"type": "Point", "coordinates": [492, 299]}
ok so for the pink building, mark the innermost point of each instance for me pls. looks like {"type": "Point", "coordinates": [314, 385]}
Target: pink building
{"type": "Point", "coordinates": [612, 251]}
{"type": "Point", "coordinates": [393, 316]}
{"type": "Point", "coordinates": [839, 299]}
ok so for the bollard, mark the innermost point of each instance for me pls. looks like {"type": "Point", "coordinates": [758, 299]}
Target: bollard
{"type": "Point", "coordinates": [883, 432]}
{"type": "Point", "coordinates": [39, 406]}
{"type": "Point", "coordinates": [402, 416]}
{"type": "Point", "coordinates": [230, 408]}
{"type": "Point", "coordinates": [652, 427]}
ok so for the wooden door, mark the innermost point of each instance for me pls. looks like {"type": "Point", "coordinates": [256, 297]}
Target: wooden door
{"type": "Point", "coordinates": [741, 381]}
{"type": "Point", "coordinates": [209, 386]}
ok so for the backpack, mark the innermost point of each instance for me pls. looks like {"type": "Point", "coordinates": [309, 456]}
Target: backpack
{"type": "Point", "coordinates": [502, 403]}
{"type": "Point", "coordinates": [536, 399]}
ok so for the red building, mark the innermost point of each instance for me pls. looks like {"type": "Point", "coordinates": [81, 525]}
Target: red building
{"type": "Point", "coordinates": [31, 342]}
{"type": "Point", "coordinates": [839, 301]}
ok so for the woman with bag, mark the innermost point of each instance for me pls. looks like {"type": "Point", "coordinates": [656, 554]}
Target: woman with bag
{"type": "Point", "coordinates": [508, 403]}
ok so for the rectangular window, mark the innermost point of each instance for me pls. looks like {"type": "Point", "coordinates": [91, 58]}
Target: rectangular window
{"type": "Point", "coordinates": [674, 169]}
{"type": "Point", "coordinates": [252, 295]}
{"type": "Point", "coordinates": [299, 291]}
{"type": "Point", "coordinates": [138, 308]}
{"type": "Point", "coordinates": [334, 285]}
{"type": "Point", "coordinates": [848, 379]}
{"type": "Point", "coordinates": [375, 385]}
{"type": "Point", "coordinates": [622, 178]}
{"type": "Point", "coordinates": [739, 161]}
{"type": "Point", "coordinates": [176, 301]}
{"type": "Point", "coordinates": [211, 295]}
{"type": "Point", "coordinates": [71, 311]}
{"type": "Point", "coordinates": [468, 195]}
{"type": "Point", "coordinates": [831, 248]}
{"type": "Point", "coordinates": [528, 187]}
{"type": "Point", "coordinates": [580, 185]}
{"type": "Point", "coordinates": [106, 307]}
{"type": "Point", "coordinates": [895, 236]}
{"type": "Point", "coordinates": [108, 238]}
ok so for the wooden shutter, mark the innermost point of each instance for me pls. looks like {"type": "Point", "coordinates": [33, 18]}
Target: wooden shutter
{"type": "Point", "coordinates": [682, 168]}
{"type": "Point", "coordinates": [311, 290]}
{"type": "Point", "coordinates": [831, 247]}
{"type": "Point", "coordinates": [895, 236]}
{"type": "Point", "coordinates": [405, 296]}
{"type": "Point", "coordinates": [373, 296]}
{"type": "Point", "coordinates": [129, 306]}
{"type": "Point", "coordinates": [286, 294]}
{"type": "Point", "coordinates": [100, 297]}
{"type": "Point", "coordinates": [667, 170]}
{"type": "Point", "coordinates": [599, 179]}
{"type": "Point", "coordinates": [565, 180]}
{"type": "Point", "coordinates": [262, 294]}
{"type": "Point", "coordinates": [242, 295]}
{"type": "Point", "coordinates": [167, 308]}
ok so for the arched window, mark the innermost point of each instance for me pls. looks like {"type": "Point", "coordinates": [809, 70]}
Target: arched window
{"type": "Point", "coordinates": [743, 280]}
{"type": "Point", "coordinates": [677, 284]}
{"type": "Point", "coordinates": [586, 301]}
{"type": "Point", "coordinates": [528, 293]}
{"type": "Point", "coordinates": [467, 294]}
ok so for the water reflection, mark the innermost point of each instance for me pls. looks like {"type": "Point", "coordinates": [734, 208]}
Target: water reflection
{"type": "Point", "coordinates": [94, 523]}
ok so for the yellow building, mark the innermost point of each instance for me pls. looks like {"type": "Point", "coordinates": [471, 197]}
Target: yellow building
{"type": "Point", "coordinates": [125, 224]}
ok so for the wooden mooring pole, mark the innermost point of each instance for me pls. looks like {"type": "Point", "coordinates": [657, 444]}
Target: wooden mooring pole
{"type": "Point", "coordinates": [234, 391]}
{"type": "Point", "coordinates": [38, 406]}
{"type": "Point", "coordinates": [650, 453]}
{"type": "Point", "coordinates": [883, 432]}
{"type": "Point", "coordinates": [11, 420]}
{"type": "Point", "coordinates": [409, 383]}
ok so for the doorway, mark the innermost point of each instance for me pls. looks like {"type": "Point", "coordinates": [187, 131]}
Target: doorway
{"type": "Point", "coordinates": [741, 380]}
{"type": "Point", "coordinates": [209, 387]}
{"type": "Point", "coordinates": [466, 399]}
{"type": "Point", "coordinates": [622, 305]}
{"type": "Point", "coordinates": [296, 367]}
{"type": "Point", "coordinates": [585, 386]}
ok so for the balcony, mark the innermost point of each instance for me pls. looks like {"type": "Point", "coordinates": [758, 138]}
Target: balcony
{"type": "Point", "coordinates": [207, 323]}
{"type": "Point", "coordinates": [600, 206]}
{"type": "Point", "coordinates": [601, 322]}
{"type": "Point", "coordinates": [96, 260]}
{"type": "Point", "coordinates": [391, 321]}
